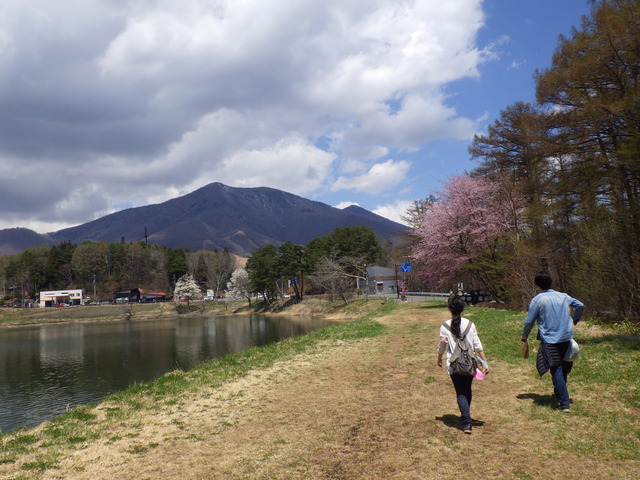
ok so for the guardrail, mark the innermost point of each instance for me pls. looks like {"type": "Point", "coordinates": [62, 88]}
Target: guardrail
{"type": "Point", "coordinates": [469, 298]}
{"type": "Point", "coordinates": [430, 294]}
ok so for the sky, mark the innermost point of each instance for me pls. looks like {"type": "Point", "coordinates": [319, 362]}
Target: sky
{"type": "Point", "coordinates": [112, 104]}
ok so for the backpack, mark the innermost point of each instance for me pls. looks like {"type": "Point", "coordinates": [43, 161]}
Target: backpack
{"type": "Point", "coordinates": [463, 360]}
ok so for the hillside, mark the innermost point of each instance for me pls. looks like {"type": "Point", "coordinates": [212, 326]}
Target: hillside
{"type": "Point", "coordinates": [216, 217]}
{"type": "Point", "coordinates": [15, 240]}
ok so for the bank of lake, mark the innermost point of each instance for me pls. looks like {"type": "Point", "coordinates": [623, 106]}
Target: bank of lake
{"type": "Point", "coordinates": [362, 399]}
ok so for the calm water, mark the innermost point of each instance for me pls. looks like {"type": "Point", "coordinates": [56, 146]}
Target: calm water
{"type": "Point", "coordinates": [46, 370]}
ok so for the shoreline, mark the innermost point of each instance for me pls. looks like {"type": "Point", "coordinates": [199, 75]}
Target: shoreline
{"type": "Point", "coordinates": [40, 316]}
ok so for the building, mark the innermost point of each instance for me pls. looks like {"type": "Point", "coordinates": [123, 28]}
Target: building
{"type": "Point", "coordinates": [382, 280]}
{"type": "Point", "coordinates": [55, 298]}
{"type": "Point", "coordinates": [137, 295]}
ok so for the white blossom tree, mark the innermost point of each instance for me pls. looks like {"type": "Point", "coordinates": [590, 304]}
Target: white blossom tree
{"type": "Point", "coordinates": [186, 287]}
{"type": "Point", "coordinates": [239, 286]}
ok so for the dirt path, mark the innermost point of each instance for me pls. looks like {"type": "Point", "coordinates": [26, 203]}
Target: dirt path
{"type": "Point", "coordinates": [368, 409]}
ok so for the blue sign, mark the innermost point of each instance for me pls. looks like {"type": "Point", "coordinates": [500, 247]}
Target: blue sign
{"type": "Point", "coordinates": [405, 268]}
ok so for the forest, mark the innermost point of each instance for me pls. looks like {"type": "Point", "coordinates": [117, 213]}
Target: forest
{"type": "Point", "coordinates": [102, 269]}
{"type": "Point", "coordinates": [557, 183]}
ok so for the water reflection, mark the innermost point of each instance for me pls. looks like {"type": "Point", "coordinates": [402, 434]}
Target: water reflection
{"type": "Point", "coordinates": [46, 370]}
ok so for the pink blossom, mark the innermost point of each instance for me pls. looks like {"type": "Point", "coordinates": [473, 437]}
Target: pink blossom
{"type": "Point", "coordinates": [470, 214]}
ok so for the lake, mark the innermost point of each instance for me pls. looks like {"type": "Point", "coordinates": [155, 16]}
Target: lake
{"type": "Point", "coordinates": [46, 370]}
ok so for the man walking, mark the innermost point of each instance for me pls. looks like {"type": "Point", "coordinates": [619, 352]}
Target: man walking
{"type": "Point", "coordinates": [552, 311]}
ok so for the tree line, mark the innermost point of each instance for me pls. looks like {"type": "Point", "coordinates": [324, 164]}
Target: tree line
{"type": "Point", "coordinates": [557, 185]}
{"type": "Point", "coordinates": [102, 268]}
{"type": "Point", "coordinates": [331, 264]}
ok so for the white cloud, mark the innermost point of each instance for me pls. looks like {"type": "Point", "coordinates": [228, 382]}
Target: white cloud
{"type": "Point", "coordinates": [419, 119]}
{"type": "Point", "coordinates": [143, 101]}
{"type": "Point", "coordinates": [394, 211]}
{"type": "Point", "coordinates": [292, 165]}
{"type": "Point", "coordinates": [380, 177]}
{"type": "Point", "coordinates": [343, 205]}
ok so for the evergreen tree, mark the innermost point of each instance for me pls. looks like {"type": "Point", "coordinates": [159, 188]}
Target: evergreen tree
{"type": "Point", "coordinates": [176, 264]}
{"type": "Point", "coordinates": [591, 94]}
{"type": "Point", "coordinates": [263, 271]}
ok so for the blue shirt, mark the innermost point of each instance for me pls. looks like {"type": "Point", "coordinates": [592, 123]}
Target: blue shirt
{"type": "Point", "coordinates": [551, 310]}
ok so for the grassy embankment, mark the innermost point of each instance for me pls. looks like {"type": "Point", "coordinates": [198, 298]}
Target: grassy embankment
{"type": "Point", "coordinates": [37, 449]}
{"type": "Point", "coordinates": [36, 316]}
{"type": "Point", "coordinates": [606, 383]}
{"type": "Point", "coordinates": [13, 317]}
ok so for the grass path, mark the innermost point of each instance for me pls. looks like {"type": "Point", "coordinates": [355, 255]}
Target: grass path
{"type": "Point", "coordinates": [372, 408]}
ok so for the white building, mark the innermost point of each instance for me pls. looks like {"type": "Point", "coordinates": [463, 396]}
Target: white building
{"type": "Point", "coordinates": [59, 297]}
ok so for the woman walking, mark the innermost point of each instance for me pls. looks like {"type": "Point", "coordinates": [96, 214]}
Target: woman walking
{"type": "Point", "coordinates": [453, 329]}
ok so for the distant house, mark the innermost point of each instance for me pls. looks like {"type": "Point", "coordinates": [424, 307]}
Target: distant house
{"type": "Point", "coordinates": [54, 298]}
{"type": "Point", "coordinates": [137, 295]}
{"type": "Point", "coordinates": [381, 280]}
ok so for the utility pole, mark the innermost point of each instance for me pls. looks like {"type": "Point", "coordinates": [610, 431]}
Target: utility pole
{"type": "Point", "coordinates": [366, 283]}
{"type": "Point", "coordinates": [395, 271]}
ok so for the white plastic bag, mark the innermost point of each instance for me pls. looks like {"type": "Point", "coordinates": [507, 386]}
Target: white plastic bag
{"type": "Point", "coordinates": [573, 352]}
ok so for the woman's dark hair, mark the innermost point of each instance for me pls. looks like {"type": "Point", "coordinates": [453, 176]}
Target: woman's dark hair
{"type": "Point", "coordinates": [456, 306]}
{"type": "Point", "coordinates": [543, 280]}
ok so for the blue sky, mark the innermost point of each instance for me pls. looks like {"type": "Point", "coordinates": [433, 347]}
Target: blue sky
{"type": "Point", "coordinates": [522, 36]}
{"type": "Point", "coordinates": [111, 104]}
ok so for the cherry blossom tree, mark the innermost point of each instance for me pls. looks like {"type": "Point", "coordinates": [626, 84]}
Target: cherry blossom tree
{"type": "Point", "coordinates": [239, 286]}
{"type": "Point", "coordinates": [186, 287]}
{"type": "Point", "coordinates": [467, 230]}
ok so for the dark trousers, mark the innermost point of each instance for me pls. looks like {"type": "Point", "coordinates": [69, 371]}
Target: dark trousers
{"type": "Point", "coordinates": [559, 376]}
{"type": "Point", "coordinates": [462, 384]}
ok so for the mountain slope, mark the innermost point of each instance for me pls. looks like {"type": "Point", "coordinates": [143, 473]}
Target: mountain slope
{"type": "Point", "coordinates": [14, 240]}
{"type": "Point", "coordinates": [217, 216]}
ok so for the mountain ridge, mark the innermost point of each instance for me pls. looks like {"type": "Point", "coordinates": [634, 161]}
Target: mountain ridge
{"type": "Point", "coordinates": [215, 216]}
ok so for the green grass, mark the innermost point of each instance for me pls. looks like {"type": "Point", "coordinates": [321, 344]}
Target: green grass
{"type": "Point", "coordinates": [610, 360]}
{"type": "Point", "coordinates": [77, 426]}
{"type": "Point", "coordinates": [499, 331]}
{"type": "Point", "coordinates": [604, 382]}
{"type": "Point", "coordinates": [40, 464]}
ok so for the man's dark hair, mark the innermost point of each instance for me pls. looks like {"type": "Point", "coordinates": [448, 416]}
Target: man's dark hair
{"type": "Point", "coordinates": [543, 280]}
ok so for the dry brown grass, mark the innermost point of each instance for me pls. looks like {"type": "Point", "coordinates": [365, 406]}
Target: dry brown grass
{"type": "Point", "coordinates": [376, 408]}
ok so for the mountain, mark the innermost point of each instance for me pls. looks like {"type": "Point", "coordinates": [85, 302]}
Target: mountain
{"type": "Point", "coordinates": [15, 240]}
{"type": "Point", "coordinates": [217, 216]}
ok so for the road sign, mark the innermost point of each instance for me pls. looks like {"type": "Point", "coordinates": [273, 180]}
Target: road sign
{"type": "Point", "coordinates": [405, 268]}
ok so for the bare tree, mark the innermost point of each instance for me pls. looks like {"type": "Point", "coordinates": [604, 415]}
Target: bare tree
{"type": "Point", "coordinates": [219, 267]}
{"type": "Point", "coordinates": [331, 276]}
{"type": "Point", "coordinates": [355, 268]}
